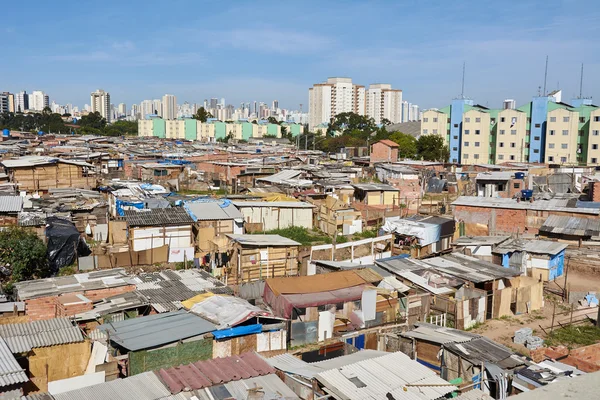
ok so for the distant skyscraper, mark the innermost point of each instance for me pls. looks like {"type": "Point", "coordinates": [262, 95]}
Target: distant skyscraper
{"type": "Point", "coordinates": [135, 111]}
{"type": "Point", "coordinates": [169, 106]}
{"type": "Point", "coordinates": [275, 105]}
{"type": "Point", "coordinates": [384, 102]}
{"type": "Point", "coordinates": [213, 103]}
{"type": "Point", "coordinates": [222, 101]}
{"type": "Point", "coordinates": [509, 104]}
{"type": "Point", "coordinates": [122, 110]}
{"type": "Point", "coordinates": [21, 101]}
{"type": "Point", "coordinates": [157, 107]}
{"type": "Point", "coordinates": [38, 100]}
{"type": "Point", "coordinates": [337, 95]}
{"type": "Point", "coordinates": [100, 101]}
{"type": "Point", "coordinates": [146, 108]}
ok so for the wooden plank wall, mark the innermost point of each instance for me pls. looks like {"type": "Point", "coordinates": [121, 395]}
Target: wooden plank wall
{"type": "Point", "coordinates": [280, 261]}
{"type": "Point", "coordinates": [51, 176]}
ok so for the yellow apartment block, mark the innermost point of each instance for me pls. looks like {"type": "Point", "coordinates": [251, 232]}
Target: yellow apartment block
{"type": "Point", "coordinates": [511, 134]}
{"type": "Point", "coordinates": [475, 146]}
{"type": "Point", "coordinates": [434, 122]}
{"type": "Point", "coordinates": [561, 136]}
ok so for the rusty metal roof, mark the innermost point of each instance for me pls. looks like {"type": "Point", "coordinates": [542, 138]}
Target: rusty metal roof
{"type": "Point", "coordinates": [203, 374]}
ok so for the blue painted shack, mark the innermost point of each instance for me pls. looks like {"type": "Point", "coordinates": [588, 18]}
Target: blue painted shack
{"type": "Point", "coordinates": [536, 258]}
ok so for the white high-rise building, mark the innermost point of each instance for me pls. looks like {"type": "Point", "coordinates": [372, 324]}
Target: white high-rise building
{"type": "Point", "coordinates": [122, 110]}
{"type": "Point", "coordinates": [146, 108]}
{"type": "Point", "coordinates": [509, 104]}
{"type": "Point", "coordinates": [21, 101]}
{"type": "Point", "coordinates": [157, 107]}
{"type": "Point", "coordinates": [135, 111]}
{"type": "Point", "coordinates": [38, 100]}
{"type": "Point", "coordinates": [169, 107]}
{"type": "Point", "coordinates": [337, 95]}
{"type": "Point", "coordinates": [100, 101]}
{"type": "Point", "coordinates": [384, 102]}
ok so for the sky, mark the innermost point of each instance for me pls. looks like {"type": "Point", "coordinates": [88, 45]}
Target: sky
{"type": "Point", "coordinates": [267, 50]}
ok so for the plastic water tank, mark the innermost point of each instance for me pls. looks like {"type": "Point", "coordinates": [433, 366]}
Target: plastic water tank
{"type": "Point", "coordinates": [5, 132]}
{"type": "Point", "coordinates": [527, 194]}
{"type": "Point", "coordinates": [519, 175]}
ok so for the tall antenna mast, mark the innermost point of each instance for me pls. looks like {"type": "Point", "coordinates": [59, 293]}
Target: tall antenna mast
{"type": "Point", "coordinates": [545, 76]}
{"type": "Point", "coordinates": [581, 83]}
{"type": "Point", "coordinates": [462, 91]}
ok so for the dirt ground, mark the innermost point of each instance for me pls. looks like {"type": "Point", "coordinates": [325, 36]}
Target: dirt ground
{"type": "Point", "coordinates": [502, 330]}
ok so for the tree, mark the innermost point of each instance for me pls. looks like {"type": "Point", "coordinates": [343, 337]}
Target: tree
{"type": "Point", "coordinates": [272, 120]}
{"type": "Point", "coordinates": [352, 123]}
{"type": "Point", "coordinates": [407, 144]}
{"type": "Point", "coordinates": [432, 148]}
{"type": "Point", "coordinates": [93, 120]}
{"type": "Point", "coordinates": [202, 115]}
{"type": "Point", "coordinates": [386, 122]}
{"type": "Point", "coordinates": [22, 255]}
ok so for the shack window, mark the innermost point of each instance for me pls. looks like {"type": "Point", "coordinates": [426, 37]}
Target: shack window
{"type": "Point", "coordinates": [160, 172]}
{"type": "Point", "coordinates": [517, 185]}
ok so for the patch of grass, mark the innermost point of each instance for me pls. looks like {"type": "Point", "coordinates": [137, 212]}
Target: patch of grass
{"type": "Point", "coordinates": [574, 336]}
{"type": "Point", "coordinates": [366, 234]}
{"type": "Point", "coordinates": [476, 326]}
{"type": "Point", "coordinates": [301, 235]}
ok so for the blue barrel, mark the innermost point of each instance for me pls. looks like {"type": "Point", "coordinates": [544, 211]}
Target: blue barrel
{"type": "Point", "coordinates": [40, 133]}
{"type": "Point", "coordinates": [519, 175]}
{"type": "Point", "coordinates": [5, 133]}
{"type": "Point", "coordinates": [527, 194]}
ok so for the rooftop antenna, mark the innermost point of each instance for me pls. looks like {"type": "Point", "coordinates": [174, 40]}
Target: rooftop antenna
{"type": "Point", "coordinates": [545, 76]}
{"type": "Point", "coordinates": [462, 91]}
{"type": "Point", "coordinates": [581, 83]}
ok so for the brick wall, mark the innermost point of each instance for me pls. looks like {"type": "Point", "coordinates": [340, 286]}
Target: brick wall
{"type": "Point", "coordinates": [41, 308]}
{"type": "Point", "coordinates": [382, 152]}
{"type": "Point", "coordinates": [95, 295]}
{"type": "Point", "coordinates": [594, 193]}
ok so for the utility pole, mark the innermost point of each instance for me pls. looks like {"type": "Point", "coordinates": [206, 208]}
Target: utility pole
{"type": "Point", "coordinates": [462, 90]}
{"type": "Point", "coordinates": [545, 77]}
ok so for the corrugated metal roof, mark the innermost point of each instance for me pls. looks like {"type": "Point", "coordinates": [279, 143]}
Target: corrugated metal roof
{"type": "Point", "coordinates": [375, 187]}
{"type": "Point", "coordinates": [22, 337]}
{"type": "Point", "coordinates": [389, 374]}
{"type": "Point", "coordinates": [281, 176]}
{"type": "Point", "coordinates": [207, 373]}
{"type": "Point", "coordinates": [480, 240]}
{"type": "Point", "coordinates": [539, 205]}
{"type": "Point", "coordinates": [10, 371]}
{"type": "Point", "coordinates": [470, 268]}
{"type": "Point", "coordinates": [483, 349]}
{"type": "Point", "coordinates": [227, 311]}
{"type": "Point", "coordinates": [495, 176]}
{"type": "Point", "coordinates": [274, 204]}
{"type": "Point", "coordinates": [439, 335]}
{"type": "Point", "coordinates": [158, 217]}
{"type": "Point", "coordinates": [213, 211]}
{"type": "Point", "coordinates": [11, 204]}
{"type": "Point", "coordinates": [156, 330]}
{"type": "Point", "coordinates": [575, 226]}
{"type": "Point", "coordinates": [73, 283]}
{"type": "Point", "coordinates": [269, 386]}
{"type": "Point", "coordinates": [263, 240]}
{"type": "Point", "coordinates": [145, 386]}
{"type": "Point", "coordinates": [530, 246]}
{"type": "Point", "coordinates": [37, 396]}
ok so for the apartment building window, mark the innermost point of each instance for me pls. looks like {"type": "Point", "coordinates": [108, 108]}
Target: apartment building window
{"type": "Point", "coordinates": [467, 119]}
{"type": "Point", "coordinates": [550, 145]}
{"type": "Point", "coordinates": [595, 133]}
{"type": "Point", "coordinates": [455, 137]}
{"type": "Point", "coordinates": [538, 125]}
{"type": "Point", "coordinates": [466, 144]}
{"type": "Point", "coordinates": [454, 149]}
{"type": "Point", "coordinates": [435, 120]}
{"type": "Point", "coordinates": [502, 131]}
{"type": "Point", "coordinates": [565, 119]}
{"type": "Point", "coordinates": [513, 131]}
{"type": "Point", "coordinates": [564, 146]}
{"type": "Point", "coordinates": [581, 133]}
{"type": "Point", "coordinates": [476, 156]}
{"type": "Point", "coordinates": [536, 138]}
{"type": "Point", "coordinates": [435, 131]}
{"type": "Point", "coordinates": [502, 119]}
{"type": "Point", "coordinates": [477, 119]}
{"type": "Point", "coordinates": [424, 131]}
{"type": "Point", "coordinates": [527, 132]}
{"type": "Point", "coordinates": [501, 144]}
{"type": "Point", "coordinates": [552, 132]}
{"type": "Point", "coordinates": [500, 156]}
{"type": "Point", "coordinates": [594, 147]}
{"type": "Point", "coordinates": [456, 125]}
{"type": "Point", "coordinates": [465, 156]}
{"type": "Point", "coordinates": [582, 120]}
{"type": "Point", "coordinates": [476, 144]}
{"type": "Point", "coordinates": [466, 131]}
{"type": "Point", "coordinates": [449, 122]}
{"type": "Point", "coordinates": [513, 145]}
{"type": "Point", "coordinates": [492, 121]}
{"type": "Point", "coordinates": [425, 119]}
{"type": "Point", "coordinates": [550, 158]}
{"type": "Point", "coordinates": [512, 158]}
{"type": "Point", "coordinates": [536, 151]}
{"type": "Point", "coordinates": [552, 119]}
{"type": "Point", "coordinates": [477, 131]}
{"type": "Point", "coordinates": [565, 132]}
{"type": "Point", "coordinates": [594, 160]}
{"type": "Point", "coordinates": [563, 160]}
{"type": "Point", "coordinates": [596, 119]}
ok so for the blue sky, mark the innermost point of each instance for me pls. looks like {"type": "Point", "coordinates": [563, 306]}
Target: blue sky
{"type": "Point", "coordinates": [247, 51]}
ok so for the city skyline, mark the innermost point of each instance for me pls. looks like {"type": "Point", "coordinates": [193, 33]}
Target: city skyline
{"type": "Point", "coordinates": [411, 48]}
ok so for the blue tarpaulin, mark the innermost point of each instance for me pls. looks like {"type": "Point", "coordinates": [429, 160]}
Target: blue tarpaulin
{"type": "Point", "coordinates": [237, 331]}
{"type": "Point", "coordinates": [120, 203]}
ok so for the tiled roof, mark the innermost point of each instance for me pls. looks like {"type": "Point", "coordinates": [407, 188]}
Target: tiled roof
{"type": "Point", "coordinates": [22, 337]}
{"type": "Point", "coordinates": [158, 217]}
{"type": "Point", "coordinates": [207, 373]}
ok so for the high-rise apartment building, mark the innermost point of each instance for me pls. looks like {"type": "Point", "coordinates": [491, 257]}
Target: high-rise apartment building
{"type": "Point", "coordinates": [169, 106]}
{"type": "Point", "coordinates": [21, 101]}
{"type": "Point", "coordinates": [337, 95]}
{"type": "Point", "coordinates": [7, 102]}
{"type": "Point", "coordinates": [122, 110]}
{"type": "Point", "coordinates": [384, 102]}
{"type": "Point", "coordinates": [275, 105]}
{"type": "Point", "coordinates": [100, 103]}
{"type": "Point", "coordinates": [38, 100]}
{"type": "Point", "coordinates": [157, 108]}
{"type": "Point", "coordinates": [146, 108]}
